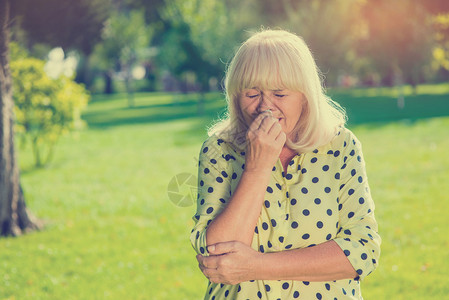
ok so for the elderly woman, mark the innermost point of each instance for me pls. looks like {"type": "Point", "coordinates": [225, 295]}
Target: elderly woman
{"type": "Point", "coordinates": [284, 209]}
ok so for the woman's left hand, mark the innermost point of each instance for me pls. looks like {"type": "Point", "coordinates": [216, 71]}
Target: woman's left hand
{"type": "Point", "coordinates": [229, 262]}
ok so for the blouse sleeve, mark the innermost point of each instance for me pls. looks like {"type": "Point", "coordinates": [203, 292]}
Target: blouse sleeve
{"type": "Point", "coordinates": [214, 176]}
{"type": "Point", "coordinates": [357, 235]}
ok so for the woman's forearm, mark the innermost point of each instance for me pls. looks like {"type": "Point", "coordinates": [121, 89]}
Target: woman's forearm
{"type": "Point", "coordinates": [238, 220]}
{"type": "Point", "coordinates": [323, 262]}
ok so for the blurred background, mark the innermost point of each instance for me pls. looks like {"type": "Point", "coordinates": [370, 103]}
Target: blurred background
{"type": "Point", "coordinates": [112, 99]}
{"type": "Point", "coordinates": [155, 45]}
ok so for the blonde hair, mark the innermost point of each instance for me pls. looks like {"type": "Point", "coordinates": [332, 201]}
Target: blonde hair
{"type": "Point", "coordinates": [277, 59]}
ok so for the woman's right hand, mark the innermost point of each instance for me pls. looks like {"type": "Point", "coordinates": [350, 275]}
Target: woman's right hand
{"type": "Point", "coordinates": [265, 140]}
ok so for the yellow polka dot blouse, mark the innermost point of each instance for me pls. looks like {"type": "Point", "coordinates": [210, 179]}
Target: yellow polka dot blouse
{"type": "Point", "coordinates": [323, 195]}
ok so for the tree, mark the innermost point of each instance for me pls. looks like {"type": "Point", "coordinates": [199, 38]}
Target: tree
{"type": "Point", "coordinates": [194, 39]}
{"type": "Point", "coordinates": [198, 43]}
{"type": "Point", "coordinates": [439, 11]}
{"type": "Point", "coordinates": [58, 29]}
{"type": "Point", "coordinates": [14, 216]}
{"type": "Point", "coordinates": [398, 40]}
{"type": "Point", "coordinates": [181, 56]}
{"type": "Point", "coordinates": [152, 9]}
{"type": "Point", "coordinates": [125, 43]}
{"type": "Point", "coordinates": [329, 27]}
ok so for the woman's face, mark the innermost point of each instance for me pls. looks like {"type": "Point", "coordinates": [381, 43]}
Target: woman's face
{"type": "Point", "coordinates": [285, 105]}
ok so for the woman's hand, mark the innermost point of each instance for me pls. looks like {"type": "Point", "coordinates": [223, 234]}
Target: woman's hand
{"type": "Point", "coordinates": [229, 262]}
{"type": "Point", "coordinates": [265, 140]}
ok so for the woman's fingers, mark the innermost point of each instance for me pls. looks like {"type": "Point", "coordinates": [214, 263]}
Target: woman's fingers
{"type": "Point", "coordinates": [281, 138]}
{"type": "Point", "coordinates": [263, 121]}
{"type": "Point", "coordinates": [275, 128]}
{"type": "Point", "coordinates": [267, 123]}
{"type": "Point", "coordinates": [208, 265]}
{"type": "Point", "coordinates": [206, 262]}
{"type": "Point", "coordinates": [257, 121]}
{"type": "Point", "coordinates": [234, 263]}
{"type": "Point", "coordinates": [263, 146]}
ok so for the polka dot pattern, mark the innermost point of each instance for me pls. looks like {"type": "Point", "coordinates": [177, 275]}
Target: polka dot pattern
{"type": "Point", "coordinates": [323, 195]}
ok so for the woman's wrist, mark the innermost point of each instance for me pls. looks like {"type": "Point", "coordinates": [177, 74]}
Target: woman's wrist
{"type": "Point", "coordinates": [257, 172]}
{"type": "Point", "coordinates": [259, 271]}
{"type": "Point", "coordinates": [256, 177]}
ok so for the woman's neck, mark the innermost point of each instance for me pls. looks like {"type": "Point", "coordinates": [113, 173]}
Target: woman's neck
{"type": "Point", "coordinates": [286, 156]}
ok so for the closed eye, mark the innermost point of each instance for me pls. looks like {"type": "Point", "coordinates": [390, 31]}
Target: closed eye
{"type": "Point", "coordinates": [252, 96]}
{"type": "Point", "coordinates": [280, 95]}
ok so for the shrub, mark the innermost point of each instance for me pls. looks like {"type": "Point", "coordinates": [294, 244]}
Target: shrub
{"type": "Point", "coordinates": [45, 108]}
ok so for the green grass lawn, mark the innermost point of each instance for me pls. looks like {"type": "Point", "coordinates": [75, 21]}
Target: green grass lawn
{"type": "Point", "coordinates": [112, 233]}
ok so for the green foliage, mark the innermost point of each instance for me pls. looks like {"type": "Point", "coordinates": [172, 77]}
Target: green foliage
{"type": "Point", "coordinates": [199, 41]}
{"type": "Point", "coordinates": [441, 51]}
{"type": "Point", "coordinates": [45, 108]}
{"type": "Point", "coordinates": [330, 29]}
{"type": "Point", "coordinates": [126, 39]}
{"type": "Point", "coordinates": [210, 32]}
{"type": "Point", "coordinates": [124, 36]}
{"type": "Point", "coordinates": [151, 7]}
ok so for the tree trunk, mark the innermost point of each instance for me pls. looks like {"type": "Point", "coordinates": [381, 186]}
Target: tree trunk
{"type": "Point", "coordinates": [129, 87]}
{"type": "Point", "coordinates": [14, 216]}
{"type": "Point", "coordinates": [108, 83]}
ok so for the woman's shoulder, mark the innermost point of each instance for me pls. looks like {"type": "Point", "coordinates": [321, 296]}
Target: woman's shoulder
{"type": "Point", "coordinates": [346, 142]}
{"type": "Point", "coordinates": [218, 145]}
{"type": "Point", "coordinates": [343, 138]}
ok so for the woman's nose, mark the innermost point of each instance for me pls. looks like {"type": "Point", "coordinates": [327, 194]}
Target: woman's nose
{"type": "Point", "coordinates": [265, 103]}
